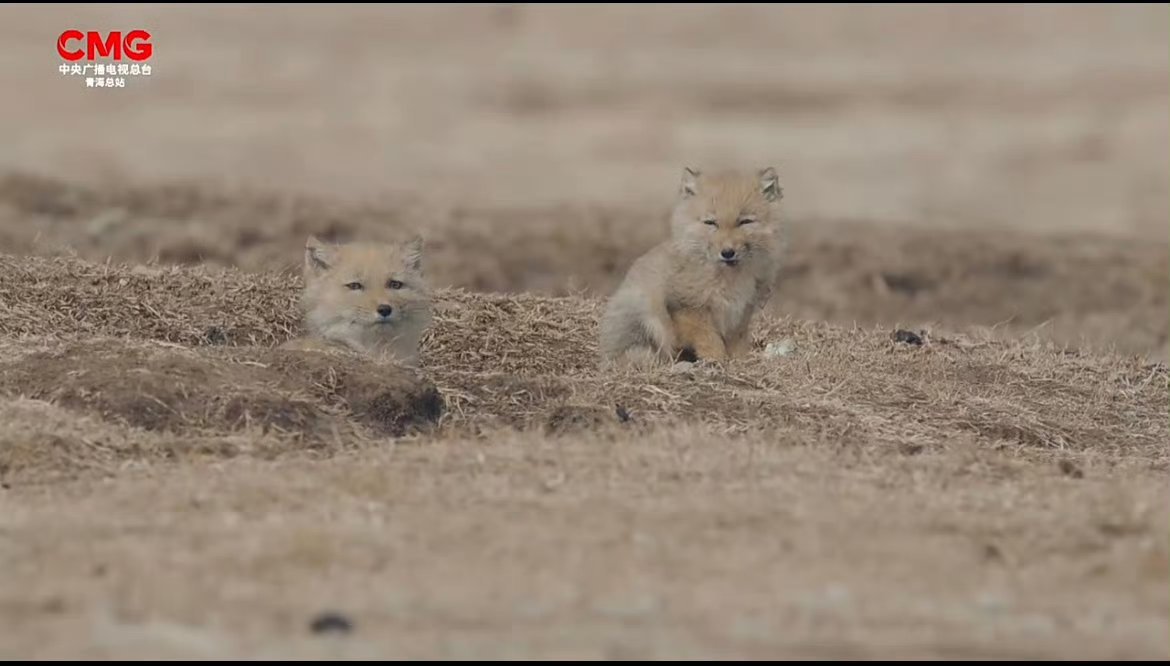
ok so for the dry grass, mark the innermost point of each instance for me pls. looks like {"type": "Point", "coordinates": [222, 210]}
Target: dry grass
{"type": "Point", "coordinates": [655, 513]}
{"type": "Point", "coordinates": [76, 300]}
{"type": "Point", "coordinates": [1085, 290]}
{"type": "Point", "coordinates": [135, 350]}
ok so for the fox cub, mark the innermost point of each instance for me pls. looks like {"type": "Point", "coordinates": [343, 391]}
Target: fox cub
{"type": "Point", "coordinates": [694, 295]}
{"type": "Point", "coordinates": [368, 297]}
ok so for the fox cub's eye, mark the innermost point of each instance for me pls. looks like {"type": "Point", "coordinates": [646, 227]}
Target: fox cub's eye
{"type": "Point", "coordinates": [746, 220]}
{"type": "Point", "coordinates": [354, 286]}
{"type": "Point", "coordinates": [395, 284]}
{"type": "Point", "coordinates": [710, 221]}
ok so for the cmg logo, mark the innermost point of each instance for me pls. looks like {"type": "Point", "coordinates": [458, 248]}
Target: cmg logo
{"type": "Point", "coordinates": [136, 45]}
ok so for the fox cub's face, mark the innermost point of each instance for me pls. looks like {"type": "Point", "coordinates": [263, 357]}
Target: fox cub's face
{"type": "Point", "coordinates": [727, 217]}
{"type": "Point", "coordinates": [364, 289]}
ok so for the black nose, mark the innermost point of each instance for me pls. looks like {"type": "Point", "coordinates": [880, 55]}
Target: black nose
{"type": "Point", "coordinates": [384, 310]}
{"type": "Point", "coordinates": [727, 253]}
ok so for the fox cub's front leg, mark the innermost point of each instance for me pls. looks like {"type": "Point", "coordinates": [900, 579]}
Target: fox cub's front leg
{"type": "Point", "coordinates": [694, 329]}
{"type": "Point", "coordinates": [740, 343]}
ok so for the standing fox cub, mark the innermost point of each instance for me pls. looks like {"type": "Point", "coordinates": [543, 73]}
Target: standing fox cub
{"type": "Point", "coordinates": [694, 295]}
{"type": "Point", "coordinates": [368, 297]}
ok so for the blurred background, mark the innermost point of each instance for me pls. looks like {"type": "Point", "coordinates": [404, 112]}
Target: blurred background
{"type": "Point", "coordinates": [947, 166]}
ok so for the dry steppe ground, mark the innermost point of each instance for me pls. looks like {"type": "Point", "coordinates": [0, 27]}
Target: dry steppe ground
{"type": "Point", "coordinates": [994, 179]}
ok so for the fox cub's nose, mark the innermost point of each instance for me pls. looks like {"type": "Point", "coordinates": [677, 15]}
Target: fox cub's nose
{"type": "Point", "coordinates": [727, 253]}
{"type": "Point", "coordinates": [384, 310]}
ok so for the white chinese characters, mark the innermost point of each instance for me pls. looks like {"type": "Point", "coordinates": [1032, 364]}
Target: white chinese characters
{"type": "Point", "coordinates": [105, 75]}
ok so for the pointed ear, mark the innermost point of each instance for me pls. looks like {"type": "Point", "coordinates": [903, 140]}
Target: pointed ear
{"type": "Point", "coordinates": [770, 185]}
{"type": "Point", "coordinates": [690, 183]}
{"type": "Point", "coordinates": [318, 257]}
{"type": "Point", "coordinates": [413, 251]}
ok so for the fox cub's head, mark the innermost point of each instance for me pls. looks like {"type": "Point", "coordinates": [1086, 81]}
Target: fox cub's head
{"type": "Point", "coordinates": [365, 290]}
{"type": "Point", "coordinates": [727, 217]}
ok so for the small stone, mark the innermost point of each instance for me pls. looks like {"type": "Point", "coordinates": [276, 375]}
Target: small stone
{"type": "Point", "coordinates": [910, 448]}
{"type": "Point", "coordinates": [215, 335]}
{"type": "Point", "coordinates": [1070, 469]}
{"type": "Point", "coordinates": [622, 414]}
{"type": "Point", "coordinates": [783, 347]}
{"type": "Point", "coordinates": [908, 337]}
{"type": "Point", "coordinates": [330, 622]}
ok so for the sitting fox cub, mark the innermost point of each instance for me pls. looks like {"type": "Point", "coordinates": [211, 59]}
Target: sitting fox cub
{"type": "Point", "coordinates": [694, 295]}
{"type": "Point", "coordinates": [368, 297]}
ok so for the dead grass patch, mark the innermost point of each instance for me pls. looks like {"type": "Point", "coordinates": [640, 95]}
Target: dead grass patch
{"type": "Point", "coordinates": [141, 359]}
{"type": "Point", "coordinates": [1077, 289]}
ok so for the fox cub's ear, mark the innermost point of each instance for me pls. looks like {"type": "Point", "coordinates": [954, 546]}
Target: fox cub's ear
{"type": "Point", "coordinates": [318, 257]}
{"type": "Point", "coordinates": [770, 185]}
{"type": "Point", "coordinates": [690, 182]}
{"type": "Point", "coordinates": [412, 252]}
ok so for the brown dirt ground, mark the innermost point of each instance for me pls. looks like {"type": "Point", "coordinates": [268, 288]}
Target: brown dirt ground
{"type": "Point", "coordinates": [761, 508]}
{"type": "Point", "coordinates": [993, 178]}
